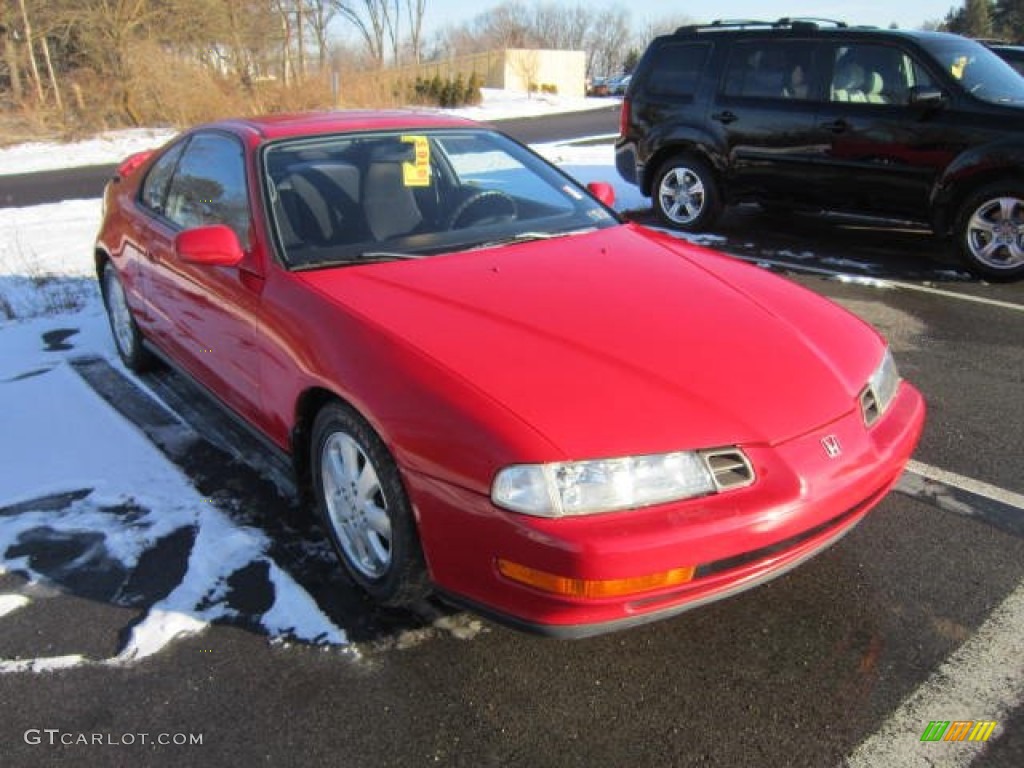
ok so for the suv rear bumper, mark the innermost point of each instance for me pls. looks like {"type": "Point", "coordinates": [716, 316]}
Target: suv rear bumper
{"type": "Point", "coordinates": [626, 162]}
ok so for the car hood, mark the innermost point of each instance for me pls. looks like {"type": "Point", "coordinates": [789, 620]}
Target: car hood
{"type": "Point", "coordinates": [621, 341]}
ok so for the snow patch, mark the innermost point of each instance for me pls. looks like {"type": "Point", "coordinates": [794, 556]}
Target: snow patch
{"type": "Point", "coordinates": [11, 603]}
{"type": "Point", "coordinates": [104, 149]}
{"type": "Point", "coordinates": [49, 664]}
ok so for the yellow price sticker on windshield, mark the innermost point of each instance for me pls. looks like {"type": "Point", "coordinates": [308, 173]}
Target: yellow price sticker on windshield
{"type": "Point", "coordinates": [417, 173]}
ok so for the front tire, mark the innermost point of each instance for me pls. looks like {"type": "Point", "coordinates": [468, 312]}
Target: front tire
{"type": "Point", "coordinates": [686, 194]}
{"type": "Point", "coordinates": [364, 508]}
{"type": "Point", "coordinates": [127, 336]}
{"type": "Point", "coordinates": [990, 232]}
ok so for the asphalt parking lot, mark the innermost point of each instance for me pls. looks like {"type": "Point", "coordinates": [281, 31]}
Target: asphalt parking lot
{"type": "Point", "coordinates": [916, 616]}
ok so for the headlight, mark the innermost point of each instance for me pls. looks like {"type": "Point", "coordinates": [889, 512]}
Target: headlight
{"type": "Point", "coordinates": [881, 388]}
{"type": "Point", "coordinates": [603, 485]}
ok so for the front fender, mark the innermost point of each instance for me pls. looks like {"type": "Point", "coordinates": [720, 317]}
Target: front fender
{"type": "Point", "coordinates": [970, 170]}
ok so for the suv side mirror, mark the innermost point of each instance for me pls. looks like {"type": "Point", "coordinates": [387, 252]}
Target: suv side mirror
{"type": "Point", "coordinates": [211, 246]}
{"type": "Point", "coordinates": [927, 98]}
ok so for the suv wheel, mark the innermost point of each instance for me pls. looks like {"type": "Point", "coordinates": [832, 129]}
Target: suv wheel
{"type": "Point", "coordinates": [686, 194]}
{"type": "Point", "coordinates": [990, 231]}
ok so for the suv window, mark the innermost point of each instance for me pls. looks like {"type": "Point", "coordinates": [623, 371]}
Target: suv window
{"type": "Point", "coordinates": [209, 186]}
{"type": "Point", "coordinates": [978, 70]}
{"type": "Point", "coordinates": [676, 69]}
{"type": "Point", "coordinates": [875, 74]}
{"type": "Point", "coordinates": [769, 69]}
{"type": "Point", "coordinates": [154, 188]}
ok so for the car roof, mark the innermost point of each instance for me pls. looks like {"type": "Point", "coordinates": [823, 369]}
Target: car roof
{"type": "Point", "coordinates": [294, 124]}
{"type": "Point", "coordinates": [788, 27]}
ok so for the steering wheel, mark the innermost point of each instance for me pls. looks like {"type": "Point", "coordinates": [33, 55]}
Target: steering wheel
{"type": "Point", "coordinates": [505, 208]}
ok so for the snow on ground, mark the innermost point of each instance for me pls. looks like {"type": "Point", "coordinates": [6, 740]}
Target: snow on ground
{"type": "Point", "coordinates": [109, 147]}
{"type": "Point", "coordinates": [60, 437]}
{"type": "Point", "coordinates": [500, 105]}
{"type": "Point", "coordinates": [45, 263]}
{"type": "Point", "coordinates": [114, 146]}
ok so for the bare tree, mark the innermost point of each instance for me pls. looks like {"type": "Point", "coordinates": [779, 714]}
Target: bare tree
{"type": "Point", "coordinates": [416, 9]}
{"type": "Point", "coordinates": [319, 16]}
{"type": "Point", "coordinates": [33, 68]}
{"type": "Point", "coordinates": [367, 16]}
{"type": "Point", "coordinates": [608, 41]}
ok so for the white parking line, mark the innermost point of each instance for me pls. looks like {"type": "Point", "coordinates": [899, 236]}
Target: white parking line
{"type": "Point", "coordinates": [882, 282]}
{"type": "Point", "coordinates": [983, 680]}
{"type": "Point", "coordinates": [968, 484]}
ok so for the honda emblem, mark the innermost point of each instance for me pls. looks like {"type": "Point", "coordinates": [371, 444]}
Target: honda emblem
{"type": "Point", "coordinates": [831, 445]}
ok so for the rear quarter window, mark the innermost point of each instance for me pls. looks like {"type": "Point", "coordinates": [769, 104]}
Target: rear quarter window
{"type": "Point", "coordinates": [676, 69]}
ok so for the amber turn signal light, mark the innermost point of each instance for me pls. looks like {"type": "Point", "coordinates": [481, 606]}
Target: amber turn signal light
{"type": "Point", "coordinates": [593, 588]}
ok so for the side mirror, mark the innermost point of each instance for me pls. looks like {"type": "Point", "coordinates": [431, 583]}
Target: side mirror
{"type": "Point", "coordinates": [603, 191]}
{"type": "Point", "coordinates": [927, 98]}
{"type": "Point", "coordinates": [212, 246]}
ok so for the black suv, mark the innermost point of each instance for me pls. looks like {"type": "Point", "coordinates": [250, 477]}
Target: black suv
{"type": "Point", "coordinates": [818, 115]}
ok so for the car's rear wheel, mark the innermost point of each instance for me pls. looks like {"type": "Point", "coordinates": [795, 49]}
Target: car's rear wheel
{"type": "Point", "coordinates": [127, 337]}
{"type": "Point", "coordinates": [364, 507]}
{"type": "Point", "coordinates": [990, 231]}
{"type": "Point", "coordinates": [686, 194]}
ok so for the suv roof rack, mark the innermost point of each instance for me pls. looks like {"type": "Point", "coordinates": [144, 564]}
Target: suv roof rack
{"type": "Point", "coordinates": [815, 21]}
{"type": "Point", "coordinates": [786, 22]}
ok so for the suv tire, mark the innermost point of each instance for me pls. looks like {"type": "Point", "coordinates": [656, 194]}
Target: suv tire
{"type": "Point", "coordinates": [685, 194]}
{"type": "Point", "coordinates": [990, 231]}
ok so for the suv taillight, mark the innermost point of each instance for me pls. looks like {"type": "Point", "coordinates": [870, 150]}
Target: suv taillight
{"type": "Point", "coordinates": [624, 118]}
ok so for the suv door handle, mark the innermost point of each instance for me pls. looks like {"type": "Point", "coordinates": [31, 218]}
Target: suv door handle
{"type": "Point", "coordinates": [725, 117]}
{"type": "Point", "coordinates": [836, 126]}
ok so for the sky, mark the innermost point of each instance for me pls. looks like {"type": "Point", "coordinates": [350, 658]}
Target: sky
{"type": "Point", "coordinates": [909, 14]}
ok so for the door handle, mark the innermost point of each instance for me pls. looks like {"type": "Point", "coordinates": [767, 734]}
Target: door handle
{"type": "Point", "coordinates": [836, 126]}
{"type": "Point", "coordinates": [725, 117]}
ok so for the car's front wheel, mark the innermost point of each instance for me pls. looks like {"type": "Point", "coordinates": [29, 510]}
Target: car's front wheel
{"type": "Point", "coordinates": [990, 231]}
{"type": "Point", "coordinates": [127, 337]}
{"type": "Point", "coordinates": [686, 194]}
{"type": "Point", "coordinates": [364, 507]}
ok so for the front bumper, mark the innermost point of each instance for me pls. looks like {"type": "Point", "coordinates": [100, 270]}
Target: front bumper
{"type": "Point", "coordinates": [802, 502]}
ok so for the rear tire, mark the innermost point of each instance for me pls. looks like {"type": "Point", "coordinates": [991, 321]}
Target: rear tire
{"type": "Point", "coordinates": [686, 195]}
{"type": "Point", "coordinates": [364, 508]}
{"type": "Point", "coordinates": [990, 232]}
{"type": "Point", "coordinates": [127, 337]}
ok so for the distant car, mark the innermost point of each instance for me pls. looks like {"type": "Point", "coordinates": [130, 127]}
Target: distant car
{"type": "Point", "coordinates": [598, 87]}
{"type": "Point", "coordinates": [820, 115]}
{"type": "Point", "coordinates": [617, 86]}
{"type": "Point", "coordinates": [495, 388]}
{"type": "Point", "coordinates": [1012, 55]}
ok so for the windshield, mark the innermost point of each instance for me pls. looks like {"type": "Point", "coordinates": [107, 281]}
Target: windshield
{"type": "Point", "coordinates": [980, 71]}
{"type": "Point", "coordinates": [373, 196]}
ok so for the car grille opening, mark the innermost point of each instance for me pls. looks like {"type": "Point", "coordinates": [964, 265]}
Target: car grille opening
{"type": "Point", "coordinates": [869, 406]}
{"type": "Point", "coordinates": [730, 468]}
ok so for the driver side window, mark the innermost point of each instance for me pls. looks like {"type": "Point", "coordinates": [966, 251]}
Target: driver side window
{"type": "Point", "coordinates": [875, 74]}
{"type": "Point", "coordinates": [209, 186]}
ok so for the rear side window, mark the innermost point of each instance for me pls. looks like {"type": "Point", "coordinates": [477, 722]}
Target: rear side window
{"type": "Point", "coordinates": [769, 69]}
{"type": "Point", "coordinates": [676, 69]}
{"type": "Point", "coordinates": [154, 188]}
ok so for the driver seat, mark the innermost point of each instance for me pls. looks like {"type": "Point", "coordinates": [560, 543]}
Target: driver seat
{"type": "Point", "coordinates": [388, 204]}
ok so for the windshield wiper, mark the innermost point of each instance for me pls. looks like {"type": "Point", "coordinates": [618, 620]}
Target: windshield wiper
{"type": "Point", "coordinates": [386, 256]}
{"type": "Point", "coordinates": [367, 257]}
{"type": "Point", "coordinates": [526, 237]}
